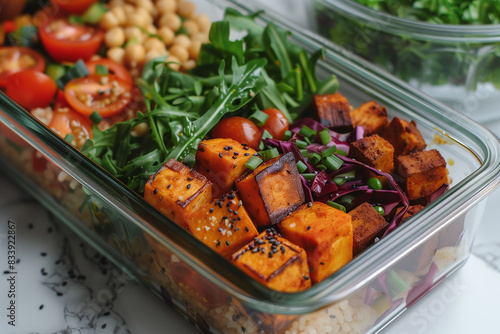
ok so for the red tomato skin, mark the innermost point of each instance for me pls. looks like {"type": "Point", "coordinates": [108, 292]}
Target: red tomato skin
{"type": "Point", "coordinates": [73, 6]}
{"type": "Point", "coordinates": [64, 50]}
{"type": "Point", "coordinates": [38, 162]}
{"type": "Point", "coordinates": [238, 128]}
{"type": "Point", "coordinates": [17, 52]}
{"type": "Point", "coordinates": [92, 83]}
{"type": "Point", "coordinates": [31, 89]}
{"type": "Point", "coordinates": [114, 68]}
{"type": "Point", "coordinates": [61, 123]}
{"type": "Point", "coordinates": [276, 124]}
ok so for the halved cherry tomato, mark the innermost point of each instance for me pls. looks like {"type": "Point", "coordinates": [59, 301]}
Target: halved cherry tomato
{"type": "Point", "coordinates": [73, 6]}
{"type": "Point", "coordinates": [114, 68]}
{"type": "Point", "coordinates": [107, 95]}
{"type": "Point", "coordinates": [15, 59]}
{"type": "Point", "coordinates": [276, 124]}
{"type": "Point", "coordinates": [66, 42]}
{"type": "Point", "coordinates": [238, 128]}
{"type": "Point", "coordinates": [68, 122]}
{"type": "Point", "coordinates": [31, 89]}
{"type": "Point", "coordinates": [197, 286]}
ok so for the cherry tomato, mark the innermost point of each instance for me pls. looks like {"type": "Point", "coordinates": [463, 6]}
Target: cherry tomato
{"type": "Point", "coordinates": [113, 68]}
{"type": "Point", "coordinates": [15, 59]}
{"type": "Point", "coordinates": [31, 89]}
{"type": "Point", "coordinates": [73, 6]}
{"type": "Point", "coordinates": [238, 128]}
{"type": "Point", "coordinates": [197, 286]}
{"type": "Point", "coordinates": [276, 124]}
{"type": "Point", "coordinates": [68, 122]}
{"type": "Point", "coordinates": [107, 95]}
{"type": "Point", "coordinates": [66, 42]}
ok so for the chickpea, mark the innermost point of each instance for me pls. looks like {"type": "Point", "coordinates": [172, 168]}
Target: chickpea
{"type": "Point", "coordinates": [194, 49]}
{"type": "Point", "coordinates": [151, 29]}
{"type": "Point", "coordinates": [201, 36]}
{"type": "Point", "coordinates": [173, 62]}
{"type": "Point", "coordinates": [114, 37]}
{"type": "Point", "coordinates": [108, 21]}
{"type": "Point", "coordinates": [167, 35]}
{"type": "Point", "coordinates": [119, 14]}
{"type": "Point", "coordinates": [129, 9]}
{"type": "Point", "coordinates": [134, 54]}
{"type": "Point", "coordinates": [166, 6]}
{"type": "Point", "coordinates": [182, 40]}
{"type": "Point", "coordinates": [132, 33]}
{"type": "Point", "coordinates": [152, 54]}
{"type": "Point", "coordinates": [170, 20]}
{"type": "Point", "coordinates": [136, 19]}
{"type": "Point", "coordinates": [188, 65]}
{"type": "Point", "coordinates": [204, 22]}
{"type": "Point", "coordinates": [147, 5]}
{"type": "Point", "coordinates": [153, 43]}
{"type": "Point", "coordinates": [179, 52]}
{"type": "Point", "coordinates": [186, 8]}
{"type": "Point", "coordinates": [191, 26]}
{"type": "Point", "coordinates": [117, 54]}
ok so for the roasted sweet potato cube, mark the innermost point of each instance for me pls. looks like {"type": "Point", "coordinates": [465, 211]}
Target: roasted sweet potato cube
{"type": "Point", "coordinates": [422, 172]}
{"type": "Point", "coordinates": [223, 225]}
{"type": "Point", "coordinates": [177, 191]}
{"type": "Point", "coordinates": [412, 210]}
{"type": "Point", "coordinates": [334, 111]}
{"type": "Point", "coordinates": [404, 136]}
{"type": "Point", "coordinates": [326, 235]}
{"type": "Point", "coordinates": [222, 161]}
{"type": "Point", "coordinates": [374, 151]}
{"type": "Point", "coordinates": [272, 190]}
{"type": "Point", "coordinates": [367, 224]}
{"type": "Point", "coordinates": [275, 262]}
{"type": "Point", "coordinates": [371, 116]}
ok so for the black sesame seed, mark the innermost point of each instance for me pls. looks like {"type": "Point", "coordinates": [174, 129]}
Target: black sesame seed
{"type": "Point", "coordinates": [322, 263]}
{"type": "Point", "coordinates": [246, 148]}
{"type": "Point", "coordinates": [234, 157]}
{"type": "Point", "coordinates": [106, 313]}
{"type": "Point", "coordinates": [217, 243]}
{"type": "Point", "coordinates": [201, 149]}
{"type": "Point", "coordinates": [224, 217]}
{"type": "Point", "coordinates": [188, 186]}
{"type": "Point", "coordinates": [246, 154]}
{"type": "Point", "coordinates": [236, 153]}
{"type": "Point", "coordinates": [220, 229]}
{"type": "Point", "coordinates": [103, 326]}
{"type": "Point", "coordinates": [243, 329]}
{"type": "Point", "coordinates": [306, 277]}
{"type": "Point", "coordinates": [235, 212]}
{"type": "Point", "coordinates": [43, 254]}
{"type": "Point", "coordinates": [236, 229]}
{"type": "Point", "coordinates": [220, 155]}
{"type": "Point", "coordinates": [309, 204]}
{"type": "Point", "coordinates": [169, 186]}
{"type": "Point", "coordinates": [270, 255]}
{"type": "Point", "coordinates": [282, 249]}
{"type": "Point", "coordinates": [255, 250]}
{"type": "Point", "coordinates": [228, 243]}
{"type": "Point", "coordinates": [211, 210]}
{"type": "Point", "coordinates": [155, 191]}
{"type": "Point", "coordinates": [239, 218]}
{"type": "Point", "coordinates": [308, 227]}
{"type": "Point", "coordinates": [59, 294]}
{"type": "Point", "coordinates": [220, 205]}
{"type": "Point", "coordinates": [190, 179]}
{"type": "Point", "coordinates": [246, 228]}
{"type": "Point", "coordinates": [288, 171]}
{"type": "Point", "coordinates": [40, 307]}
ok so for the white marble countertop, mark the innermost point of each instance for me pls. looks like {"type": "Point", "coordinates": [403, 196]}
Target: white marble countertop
{"type": "Point", "coordinates": [64, 286]}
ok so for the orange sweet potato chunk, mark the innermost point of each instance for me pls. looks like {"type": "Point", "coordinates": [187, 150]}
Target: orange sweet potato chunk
{"type": "Point", "coordinates": [374, 151]}
{"type": "Point", "coordinates": [177, 191]}
{"type": "Point", "coordinates": [371, 116]}
{"type": "Point", "coordinates": [325, 233]}
{"type": "Point", "coordinates": [404, 137]}
{"type": "Point", "coordinates": [334, 111]}
{"type": "Point", "coordinates": [422, 172]}
{"type": "Point", "coordinates": [222, 161]}
{"type": "Point", "coordinates": [223, 225]}
{"type": "Point", "coordinates": [367, 224]}
{"type": "Point", "coordinates": [272, 190]}
{"type": "Point", "coordinates": [275, 262]}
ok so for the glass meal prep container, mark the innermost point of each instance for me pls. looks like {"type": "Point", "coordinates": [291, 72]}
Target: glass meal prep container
{"type": "Point", "coordinates": [457, 64]}
{"type": "Point", "coordinates": [362, 297]}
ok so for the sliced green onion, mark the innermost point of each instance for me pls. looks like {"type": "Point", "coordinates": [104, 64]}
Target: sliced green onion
{"type": "Point", "coordinates": [395, 283]}
{"type": "Point", "coordinates": [314, 158]}
{"type": "Point", "coordinates": [69, 138]}
{"type": "Point", "coordinates": [253, 162]}
{"type": "Point", "coordinates": [380, 210]}
{"type": "Point", "coordinates": [336, 206]}
{"type": "Point", "coordinates": [325, 137]}
{"type": "Point", "coordinates": [287, 136]}
{"type": "Point", "coordinates": [307, 140]}
{"type": "Point", "coordinates": [269, 154]}
{"type": "Point", "coordinates": [95, 117]}
{"type": "Point", "coordinates": [374, 184]}
{"type": "Point", "coordinates": [304, 152]}
{"type": "Point", "coordinates": [347, 199]}
{"type": "Point", "coordinates": [94, 13]}
{"type": "Point", "coordinates": [259, 118]}
{"type": "Point", "coordinates": [342, 178]}
{"type": "Point", "coordinates": [55, 71]}
{"type": "Point", "coordinates": [320, 167]}
{"type": "Point", "coordinates": [301, 167]}
{"type": "Point", "coordinates": [339, 180]}
{"type": "Point", "coordinates": [342, 153]}
{"type": "Point", "coordinates": [309, 176]}
{"type": "Point", "coordinates": [301, 143]}
{"type": "Point", "coordinates": [101, 69]}
{"type": "Point", "coordinates": [266, 135]}
{"type": "Point", "coordinates": [307, 132]}
{"type": "Point", "coordinates": [333, 162]}
{"type": "Point", "coordinates": [329, 151]}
